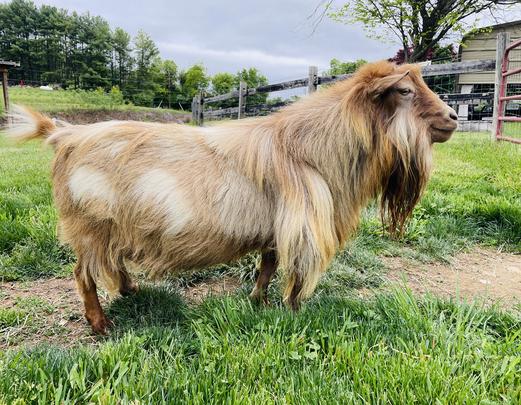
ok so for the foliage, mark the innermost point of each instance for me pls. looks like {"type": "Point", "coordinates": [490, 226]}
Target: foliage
{"type": "Point", "coordinates": [436, 54]}
{"type": "Point", "coordinates": [225, 82]}
{"type": "Point", "coordinates": [418, 25]}
{"type": "Point", "coordinates": [253, 79]}
{"type": "Point", "coordinates": [337, 67]}
{"type": "Point", "coordinates": [168, 79]}
{"type": "Point", "coordinates": [191, 82]}
{"type": "Point", "coordinates": [70, 50]}
{"type": "Point", "coordinates": [55, 46]}
{"type": "Point", "coordinates": [121, 65]}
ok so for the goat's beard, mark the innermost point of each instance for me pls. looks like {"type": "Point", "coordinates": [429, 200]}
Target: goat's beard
{"type": "Point", "coordinates": [403, 184]}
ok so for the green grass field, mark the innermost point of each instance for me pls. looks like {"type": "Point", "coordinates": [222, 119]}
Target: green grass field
{"type": "Point", "coordinates": [392, 347]}
{"type": "Point", "coordinates": [71, 100]}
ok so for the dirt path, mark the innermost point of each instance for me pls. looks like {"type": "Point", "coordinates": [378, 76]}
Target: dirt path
{"type": "Point", "coordinates": [483, 274]}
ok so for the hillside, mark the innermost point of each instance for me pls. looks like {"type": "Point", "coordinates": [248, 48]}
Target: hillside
{"type": "Point", "coordinates": [80, 106]}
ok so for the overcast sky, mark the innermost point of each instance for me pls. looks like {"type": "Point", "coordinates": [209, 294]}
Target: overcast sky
{"type": "Point", "coordinates": [274, 36]}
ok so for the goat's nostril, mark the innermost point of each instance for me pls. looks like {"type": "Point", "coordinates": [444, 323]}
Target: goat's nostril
{"type": "Point", "coordinates": [453, 116]}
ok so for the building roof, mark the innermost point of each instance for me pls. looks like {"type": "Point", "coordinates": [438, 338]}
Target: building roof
{"type": "Point", "coordinates": [504, 25]}
{"type": "Point", "coordinates": [9, 63]}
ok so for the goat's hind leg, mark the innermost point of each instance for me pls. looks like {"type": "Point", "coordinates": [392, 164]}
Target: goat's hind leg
{"type": "Point", "coordinates": [88, 293]}
{"type": "Point", "coordinates": [127, 286]}
{"type": "Point", "coordinates": [121, 279]}
{"type": "Point", "coordinates": [268, 266]}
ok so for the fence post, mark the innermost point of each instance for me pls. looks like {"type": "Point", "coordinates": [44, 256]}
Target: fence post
{"type": "Point", "coordinates": [242, 99]}
{"type": "Point", "coordinates": [312, 79]}
{"type": "Point", "coordinates": [194, 110]}
{"type": "Point", "coordinates": [5, 90]}
{"type": "Point", "coordinates": [200, 109]}
{"type": "Point", "coordinates": [503, 38]}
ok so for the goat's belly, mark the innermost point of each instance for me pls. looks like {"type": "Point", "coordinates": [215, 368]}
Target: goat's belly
{"type": "Point", "coordinates": [188, 220]}
{"type": "Point", "coordinates": [200, 248]}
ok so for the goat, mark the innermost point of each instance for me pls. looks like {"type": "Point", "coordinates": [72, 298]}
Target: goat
{"type": "Point", "coordinates": [172, 197]}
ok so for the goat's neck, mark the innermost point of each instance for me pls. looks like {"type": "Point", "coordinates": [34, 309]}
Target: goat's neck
{"type": "Point", "coordinates": [317, 132]}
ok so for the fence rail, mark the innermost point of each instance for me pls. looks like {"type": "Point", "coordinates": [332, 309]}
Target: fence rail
{"type": "Point", "coordinates": [469, 98]}
{"type": "Point", "coordinates": [431, 70]}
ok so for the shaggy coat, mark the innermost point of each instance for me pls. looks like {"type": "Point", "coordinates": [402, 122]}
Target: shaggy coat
{"type": "Point", "coordinates": [171, 197]}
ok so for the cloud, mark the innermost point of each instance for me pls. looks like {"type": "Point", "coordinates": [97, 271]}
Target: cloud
{"type": "Point", "coordinates": [250, 56]}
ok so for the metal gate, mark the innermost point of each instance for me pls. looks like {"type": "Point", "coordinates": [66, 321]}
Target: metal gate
{"type": "Point", "coordinates": [503, 98]}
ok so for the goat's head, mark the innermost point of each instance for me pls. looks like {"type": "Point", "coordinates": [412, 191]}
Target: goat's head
{"type": "Point", "coordinates": [402, 93]}
{"type": "Point", "coordinates": [392, 109]}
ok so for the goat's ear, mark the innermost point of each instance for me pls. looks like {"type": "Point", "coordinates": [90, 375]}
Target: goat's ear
{"type": "Point", "coordinates": [382, 84]}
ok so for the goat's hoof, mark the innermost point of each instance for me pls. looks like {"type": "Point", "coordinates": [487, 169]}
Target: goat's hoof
{"type": "Point", "coordinates": [259, 298]}
{"type": "Point", "coordinates": [100, 324]}
{"type": "Point", "coordinates": [131, 289]}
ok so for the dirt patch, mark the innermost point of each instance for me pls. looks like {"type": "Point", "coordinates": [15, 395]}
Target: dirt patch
{"type": "Point", "coordinates": [485, 274]}
{"type": "Point", "coordinates": [91, 116]}
{"type": "Point", "coordinates": [55, 313]}
{"type": "Point", "coordinates": [217, 286]}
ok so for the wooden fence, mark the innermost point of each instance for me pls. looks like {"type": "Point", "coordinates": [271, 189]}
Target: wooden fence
{"type": "Point", "coordinates": [200, 110]}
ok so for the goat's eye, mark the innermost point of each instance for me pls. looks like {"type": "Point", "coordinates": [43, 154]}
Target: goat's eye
{"type": "Point", "coordinates": [404, 92]}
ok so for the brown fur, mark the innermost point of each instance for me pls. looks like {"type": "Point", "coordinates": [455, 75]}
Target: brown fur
{"type": "Point", "coordinates": [170, 197]}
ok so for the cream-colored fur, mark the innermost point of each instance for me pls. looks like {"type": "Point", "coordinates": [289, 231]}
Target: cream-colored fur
{"type": "Point", "coordinates": [171, 197]}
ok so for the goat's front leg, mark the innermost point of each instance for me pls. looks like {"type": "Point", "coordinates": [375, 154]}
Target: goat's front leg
{"type": "Point", "coordinates": [268, 266]}
{"type": "Point", "coordinates": [305, 236]}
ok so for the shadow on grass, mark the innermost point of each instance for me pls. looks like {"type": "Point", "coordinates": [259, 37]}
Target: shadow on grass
{"type": "Point", "coordinates": [151, 307]}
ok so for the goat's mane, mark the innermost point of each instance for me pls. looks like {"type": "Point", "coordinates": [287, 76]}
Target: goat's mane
{"type": "Point", "coordinates": [353, 140]}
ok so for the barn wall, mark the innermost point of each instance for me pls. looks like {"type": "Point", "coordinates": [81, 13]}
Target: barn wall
{"type": "Point", "coordinates": [483, 46]}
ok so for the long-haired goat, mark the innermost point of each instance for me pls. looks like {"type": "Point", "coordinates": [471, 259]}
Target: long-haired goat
{"type": "Point", "coordinates": [291, 185]}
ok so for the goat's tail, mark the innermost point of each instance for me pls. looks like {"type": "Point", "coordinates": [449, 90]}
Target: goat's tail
{"type": "Point", "coordinates": [24, 124]}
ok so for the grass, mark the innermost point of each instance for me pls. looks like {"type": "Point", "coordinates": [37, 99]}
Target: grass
{"type": "Point", "coordinates": [71, 100]}
{"type": "Point", "coordinates": [28, 244]}
{"type": "Point", "coordinates": [391, 348]}
{"type": "Point", "coordinates": [512, 129]}
{"type": "Point", "coordinates": [23, 310]}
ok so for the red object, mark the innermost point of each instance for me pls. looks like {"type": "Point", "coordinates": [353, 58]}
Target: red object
{"type": "Point", "coordinates": [505, 73]}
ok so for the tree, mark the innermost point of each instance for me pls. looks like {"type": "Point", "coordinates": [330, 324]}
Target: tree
{"type": "Point", "coordinates": [146, 50]}
{"type": "Point", "coordinates": [192, 81]}
{"type": "Point", "coordinates": [253, 78]}
{"type": "Point", "coordinates": [418, 25]}
{"type": "Point", "coordinates": [167, 75]}
{"type": "Point", "coordinates": [337, 67]}
{"type": "Point", "coordinates": [143, 86]}
{"type": "Point", "coordinates": [122, 57]}
{"type": "Point", "coordinates": [223, 83]}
